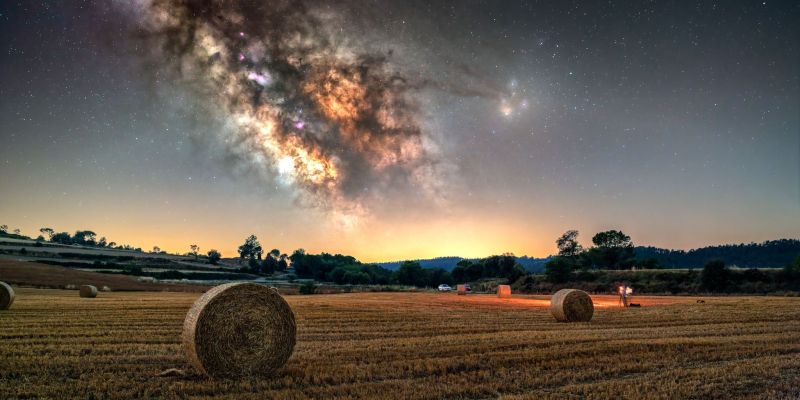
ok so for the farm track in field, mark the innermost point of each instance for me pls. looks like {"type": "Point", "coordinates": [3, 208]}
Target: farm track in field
{"type": "Point", "coordinates": [54, 344]}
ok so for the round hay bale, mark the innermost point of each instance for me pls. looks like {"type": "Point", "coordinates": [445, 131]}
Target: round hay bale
{"type": "Point", "coordinates": [88, 291]}
{"type": "Point", "coordinates": [238, 330]}
{"type": "Point", "coordinates": [572, 305]}
{"type": "Point", "coordinates": [503, 291]}
{"type": "Point", "coordinates": [6, 296]}
{"type": "Point", "coordinates": [462, 290]}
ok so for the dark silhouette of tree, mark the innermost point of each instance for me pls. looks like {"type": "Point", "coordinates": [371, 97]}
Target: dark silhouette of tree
{"type": "Point", "coordinates": [558, 270]}
{"type": "Point", "coordinates": [251, 249]}
{"type": "Point", "coordinates": [62, 238]}
{"type": "Point", "coordinates": [3, 228]}
{"type": "Point", "coordinates": [568, 245]}
{"type": "Point", "coordinates": [409, 273]}
{"type": "Point", "coordinates": [84, 238]}
{"type": "Point", "coordinates": [156, 249]}
{"type": "Point", "coordinates": [195, 249]}
{"type": "Point", "coordinates": [612, 239]}
{"type": "Point", "coordinates": [613, 250]}
{"type": "Point", "coordinates": [715, 276]}
{"type": "Point", "coordinates": [771, 253]}
{"type": "Point", "coordinates": [283, 262]}
{"type": "Point", "coordinates": [47, 231]}
{"type": "Point", "coordinates": [213, 257]}
{"type": "Point", "coordinates": [792, 270]}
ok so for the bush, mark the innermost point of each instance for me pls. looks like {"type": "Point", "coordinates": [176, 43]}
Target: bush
{"type": "Point", "coordinates": [308, 288]}
{"type": "Point", "coordinates": [715, 276]}
{"type": "Point", "coordinates": [558, 270]}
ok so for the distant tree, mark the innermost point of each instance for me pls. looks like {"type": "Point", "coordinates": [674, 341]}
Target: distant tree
{"type": "Point", "coordinates": [213, 257]}
{"type": "Point", "coordinates": [612, 239]}
{"type": "Point", "coordinates": [40, 239]}
{"type": "Point", "coordinates": [111, 244]}
{"type": "Point", "coordinates": [195, 249]}
{"type": "Point", "coordinates": [271, 262]}
{"type": "Point", "coordinates": [649, 263]}
{"type": "Point", "coordinates": [474, 271]}
{"type": "Point", "coordinates": [62, 238]}
{"type": "Point", "coordinates": [409, 273]}
{"type": "Point", "coordinates": [438, 276]}
{"type": "Point", "coordinates": [156, 249]}
{"type": "Point", "coordinates": [251, 249]}
{"type": "Point", "coordinates": [84, 238]}
{"type": "Point", "coordinates": [792, 270]}
{"type": "Point", "coordinates": [301, 267]}
{"type": "Point", "coordinates": [102, 242]}
{"type": "Point", "coordinates": [17, 231]}
{"type": "Point", "coordinates": [47, 231]}
{"type": "Point", "coordinates": [559, 269]}
{"type": "Point", "coordinates": [517, 272]}
{"type": "Point", "coordinates": [613, 250]}
{"type": "Point", "coordinates": [459, 273]}
{"type": "Point", "coordinates": [253, 264]}
{"type": "Point", "coordinates": [283, 262]}
{"type": "Point", "coordinates": [269, 265]}
{"type": "Point", "coordinates": [715, 276]}
{"type": "Point", "coordinates": [3, 228]}
{"type": "Point", "coordinates": [754, 275]}
{"type": "Point", "coordinates": [568, 245]}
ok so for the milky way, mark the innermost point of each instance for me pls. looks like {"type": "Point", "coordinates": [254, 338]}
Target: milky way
{"type": "Point", "coordinates": [337, 124]}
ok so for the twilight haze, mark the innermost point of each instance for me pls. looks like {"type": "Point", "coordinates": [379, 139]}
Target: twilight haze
{"type": "Point", "coordinates": [404, 129]}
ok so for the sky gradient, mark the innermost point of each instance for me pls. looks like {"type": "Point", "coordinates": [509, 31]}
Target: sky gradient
{"type": "Point", "coordinates": [675, 122]}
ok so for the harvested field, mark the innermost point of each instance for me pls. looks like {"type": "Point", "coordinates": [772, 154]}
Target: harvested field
{"type": "Point", "coordinates": [414, 345]}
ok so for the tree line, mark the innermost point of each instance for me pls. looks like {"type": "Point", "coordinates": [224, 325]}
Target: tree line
{"type": "Point", "coordinates": [771, 253]}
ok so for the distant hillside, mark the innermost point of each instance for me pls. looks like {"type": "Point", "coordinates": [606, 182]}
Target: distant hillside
{"type": "Point", "coordinates": [769, 254]}
{"type": "Point", "coordinates": [448, 263]}
{"type": "Point", "coordinates": [50, 276]}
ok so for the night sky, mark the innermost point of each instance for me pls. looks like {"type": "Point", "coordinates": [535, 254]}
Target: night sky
{"type": "Point", "coordinates": [404, 129]}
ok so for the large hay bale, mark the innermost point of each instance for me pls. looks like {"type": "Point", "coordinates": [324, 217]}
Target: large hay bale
{"type": "Point", "coordinates": [238, 330]}
{"type": "Point", "coordinates": [6, 296]}
{"type": "Point", "coordinates": [503, 291]}
{"type": "Point", "coordinates": [88, 291]}
{"type": "Point", "coordinates": [571, 305]}
{"type": "Point", "coordinates": [461, 289]}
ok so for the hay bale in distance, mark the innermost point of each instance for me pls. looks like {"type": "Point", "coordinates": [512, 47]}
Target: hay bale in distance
{"type": "Point", "coordinates": [572, 305]}
{"type": "Point", "coordinates": [461, 289]}
{"type": "Point", "coordinates": [88, 291]}
{"type": "Point", "coordinates": [105, 289]}
{"type": "Point", "coordinates": [503, 291]}
{"type": "Point", "coordinates": [238, 330]}
{"type": "Point", "coordinates": [6, 296]}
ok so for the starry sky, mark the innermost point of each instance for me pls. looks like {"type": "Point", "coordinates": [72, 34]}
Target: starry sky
{"type": "Point", "coordinates": [401, 129]}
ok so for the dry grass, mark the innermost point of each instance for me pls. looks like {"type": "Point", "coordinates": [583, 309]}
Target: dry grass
{"type": "Point", "coordinates": [414, 345]}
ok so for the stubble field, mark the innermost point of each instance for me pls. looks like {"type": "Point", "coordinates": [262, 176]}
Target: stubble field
{"type": "Point", "coordinates": [54, 344]}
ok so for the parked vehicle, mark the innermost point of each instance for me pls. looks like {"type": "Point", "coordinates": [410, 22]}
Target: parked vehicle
{"type": "Point", "coordinates": [445, 288]}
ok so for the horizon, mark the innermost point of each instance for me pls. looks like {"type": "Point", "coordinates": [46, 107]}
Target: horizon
{"type": "Point", "coordinates": [399, 136]}
{"type": "Point", "coordinates": [233, 253]}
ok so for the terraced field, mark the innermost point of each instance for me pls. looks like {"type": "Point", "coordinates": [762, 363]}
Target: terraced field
{"type": "Point", "coordinates": [414, 345]}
